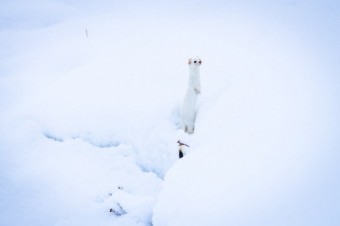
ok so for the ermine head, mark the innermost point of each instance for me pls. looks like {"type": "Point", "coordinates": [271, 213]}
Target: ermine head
{"type": "Point", "coordinates": [195, 62]}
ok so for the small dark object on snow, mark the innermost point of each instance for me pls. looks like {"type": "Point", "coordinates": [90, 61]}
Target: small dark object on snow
{"type": "Point", "coordinates": [180, 145]}
{"type": "Point", "coordinates": [180, 154]}
{"type": "Point", "coordinates": [119, 211]}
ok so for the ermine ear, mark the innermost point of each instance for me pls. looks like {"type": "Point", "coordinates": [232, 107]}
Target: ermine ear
{"type": "Point", "coordinates": [189, 61]}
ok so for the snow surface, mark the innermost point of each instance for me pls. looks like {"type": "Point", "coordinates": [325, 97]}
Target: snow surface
{"type": "Point", "coordinates": [89, 122]}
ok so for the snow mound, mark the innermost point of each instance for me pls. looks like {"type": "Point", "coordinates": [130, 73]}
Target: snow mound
{"type": "Point", "coordinates": [90, 95]}
{"type": "Point", "coordinates": [257, 154]}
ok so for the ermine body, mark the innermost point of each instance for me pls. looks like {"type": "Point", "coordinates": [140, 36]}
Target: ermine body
{"type": "Point", "coordinates": [188, 110]}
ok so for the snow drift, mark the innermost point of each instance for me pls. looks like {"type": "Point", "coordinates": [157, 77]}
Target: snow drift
{"type": "Point", "coordinates": [90, 96]}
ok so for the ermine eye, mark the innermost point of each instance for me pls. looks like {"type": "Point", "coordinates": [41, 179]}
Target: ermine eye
{"type": "Point", "coordinates": [195, 61]}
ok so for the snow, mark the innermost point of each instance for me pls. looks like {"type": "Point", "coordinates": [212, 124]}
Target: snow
{"type": "Point", "coordinates": [90, 122]}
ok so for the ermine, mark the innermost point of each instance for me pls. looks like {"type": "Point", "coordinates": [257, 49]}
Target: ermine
{"type": "Point", "coordinates": [188, 110]}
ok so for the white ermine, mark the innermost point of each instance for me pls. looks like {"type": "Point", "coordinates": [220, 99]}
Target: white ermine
{"type": "Point", "coordinates": [188, 111]}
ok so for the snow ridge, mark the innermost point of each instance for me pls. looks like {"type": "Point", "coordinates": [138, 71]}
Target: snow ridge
{"type": "Point", "coordinates": [90, 97]}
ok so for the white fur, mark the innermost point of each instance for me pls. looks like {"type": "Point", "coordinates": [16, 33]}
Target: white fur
{"type": "Point", "coordinates": [188, 111]}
